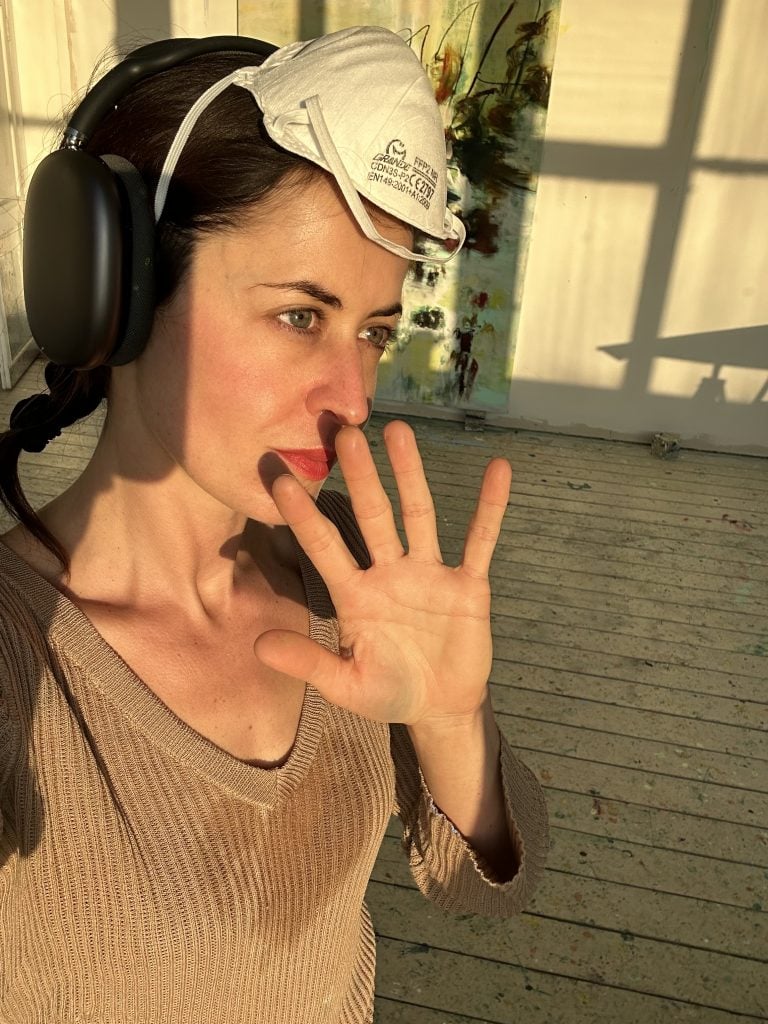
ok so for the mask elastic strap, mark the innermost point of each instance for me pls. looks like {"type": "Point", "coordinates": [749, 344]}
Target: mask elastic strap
{"type": "Point", "coordinates": [180, 140]}
{"type": "Point", "coordinates": [339, 171]}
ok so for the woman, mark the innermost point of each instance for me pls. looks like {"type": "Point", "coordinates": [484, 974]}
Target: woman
{"type": "Point", "coordinates": [215, 686]}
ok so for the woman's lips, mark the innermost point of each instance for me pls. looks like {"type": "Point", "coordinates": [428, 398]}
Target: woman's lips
{"type": "Point", "coordinates": [312, 463]}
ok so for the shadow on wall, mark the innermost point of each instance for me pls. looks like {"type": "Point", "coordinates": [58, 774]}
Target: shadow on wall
{"type": "Point", "coordinates": [140, 21]}
{"type": "Point", "coordinates": [730, 426]}
{"type": "Point", "coordinates": [311, 19]}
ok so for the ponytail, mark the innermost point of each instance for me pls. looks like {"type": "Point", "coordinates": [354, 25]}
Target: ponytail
{"type": "Point", "coordinates": [73, 394]}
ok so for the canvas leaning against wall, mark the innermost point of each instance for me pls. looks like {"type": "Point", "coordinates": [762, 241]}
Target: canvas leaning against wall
{"type": "Point", "coordinates": [490, 64]}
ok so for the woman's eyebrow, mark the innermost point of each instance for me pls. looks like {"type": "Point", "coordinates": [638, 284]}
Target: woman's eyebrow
{"type": "Point", "coordinates": [394, 310]}
{"type": "Point", "coordinates": [328, 298]}
{"type": "Point", "coordinates": [309, 288]}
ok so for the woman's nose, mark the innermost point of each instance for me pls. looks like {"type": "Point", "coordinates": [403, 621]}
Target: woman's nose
{"type": "Point", "coordinates": [345, 390]}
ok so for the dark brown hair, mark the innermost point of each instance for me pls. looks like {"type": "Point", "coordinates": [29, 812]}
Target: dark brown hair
{"type": "Point", "coordinates": [228, 164]}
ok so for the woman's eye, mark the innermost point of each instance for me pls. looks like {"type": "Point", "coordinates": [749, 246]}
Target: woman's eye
{"type": "Point", "coordinates": [379, 336]}
{"type": "Point", "coordinates": [299, 319]}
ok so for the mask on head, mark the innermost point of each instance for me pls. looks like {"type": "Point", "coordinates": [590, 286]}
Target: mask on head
{"type": "Point", "coordinates": [358, 104]}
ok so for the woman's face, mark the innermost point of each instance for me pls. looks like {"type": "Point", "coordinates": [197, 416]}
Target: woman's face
{"type": "Point", "coordinates": [270, 345]}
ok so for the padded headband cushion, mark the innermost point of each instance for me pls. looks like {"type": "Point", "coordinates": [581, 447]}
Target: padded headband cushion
{"type": "Point", "coordinates": [138, 300]}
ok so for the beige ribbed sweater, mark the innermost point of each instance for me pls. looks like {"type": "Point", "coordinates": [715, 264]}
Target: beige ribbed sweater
{"type": "Point", "coordinates": [148, 877]}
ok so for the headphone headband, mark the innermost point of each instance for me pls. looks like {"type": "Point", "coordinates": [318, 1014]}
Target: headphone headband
{"type": "Point", "coordinates": [142, 63]}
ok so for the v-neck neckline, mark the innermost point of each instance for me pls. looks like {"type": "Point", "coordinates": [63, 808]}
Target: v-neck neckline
{"type": "Point", "coordinates": [74, 638]}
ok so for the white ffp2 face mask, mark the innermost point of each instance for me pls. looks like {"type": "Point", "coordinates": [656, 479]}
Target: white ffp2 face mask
{"type": "Point", "coordinates": [358, 104]}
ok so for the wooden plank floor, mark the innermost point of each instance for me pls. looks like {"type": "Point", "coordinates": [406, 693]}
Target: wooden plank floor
{"type": "Point", "coordinates": [631, 672]}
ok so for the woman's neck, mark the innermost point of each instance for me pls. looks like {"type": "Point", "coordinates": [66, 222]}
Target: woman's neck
{"type": "Point", "coordinates": [153, 544]}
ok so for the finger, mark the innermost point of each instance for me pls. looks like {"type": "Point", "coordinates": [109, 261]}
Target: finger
{"type": "Point", "coordinates": [484, 529]}
{"type": "Point", "coordinates": [319, 538]}
{"type": "Point", "coordinates": [372, 507]}
{"type": "Point", "coordinates": [416, 505]}
{"type": "Point", "coordinates": [298, 656]}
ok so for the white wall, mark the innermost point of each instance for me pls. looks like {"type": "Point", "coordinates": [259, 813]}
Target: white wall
{"type": "Point", "coordinates": [646, 301]}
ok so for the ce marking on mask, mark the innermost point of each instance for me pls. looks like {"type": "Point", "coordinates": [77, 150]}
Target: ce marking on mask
{"type": "Point", "coordinates": [393, 169]}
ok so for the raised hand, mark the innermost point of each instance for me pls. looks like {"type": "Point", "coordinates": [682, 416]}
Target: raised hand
{"type": "Point", "coordinates": [415, 633]}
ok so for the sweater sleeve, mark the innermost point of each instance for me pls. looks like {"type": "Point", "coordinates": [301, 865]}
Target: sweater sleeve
{"type": "Point", "coordinates": [447, 870]}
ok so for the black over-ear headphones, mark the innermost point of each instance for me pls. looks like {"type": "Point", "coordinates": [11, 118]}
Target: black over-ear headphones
{"type": "Point", "coordinates": [89, 227]}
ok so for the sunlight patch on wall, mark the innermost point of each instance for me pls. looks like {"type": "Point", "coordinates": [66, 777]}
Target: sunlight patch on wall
{"type": "Point", "coordinates": [273, 20]}
{"type": "Point", "coordinates": [593, 236]}
{"type": "Point", "coordinates": [735, 123]}
{"type": "Point", "coordinates": [616, 86]}
{"type": "Point", "coordinates": [706, 382]}
{"type": "Point", "coordinates": [720, 270]}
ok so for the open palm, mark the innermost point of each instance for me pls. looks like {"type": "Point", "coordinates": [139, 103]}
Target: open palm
{"type": "Point", "coordinates": [415, 633]}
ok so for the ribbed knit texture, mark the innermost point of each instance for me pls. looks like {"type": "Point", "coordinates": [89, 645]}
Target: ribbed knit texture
{"type": "Point", "coordinates": [148, 877]}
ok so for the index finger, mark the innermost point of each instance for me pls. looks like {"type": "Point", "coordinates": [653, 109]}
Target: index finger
{"type": "Point", "coordinates": [317, 535]}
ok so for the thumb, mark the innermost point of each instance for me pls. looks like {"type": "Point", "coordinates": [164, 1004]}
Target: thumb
{"type": "Point", "coordinates": [298, 656]}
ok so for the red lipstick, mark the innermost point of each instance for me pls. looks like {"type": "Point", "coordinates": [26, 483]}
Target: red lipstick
{"type": "Point", "coordinates": [311, 463]}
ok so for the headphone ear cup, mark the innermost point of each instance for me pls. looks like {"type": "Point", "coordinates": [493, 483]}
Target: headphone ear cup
{"type": "Point", "coordinates": [138, 244]}
{"type": "Point", "coordinates": [88, 259]}
{"type": "Point", "coordinates": [73, 258]}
